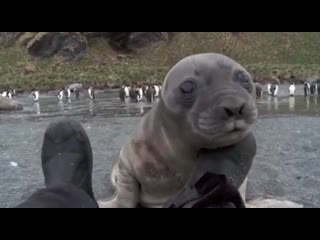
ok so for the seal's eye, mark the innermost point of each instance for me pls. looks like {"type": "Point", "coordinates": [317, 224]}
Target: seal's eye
{"type": "Point", "coordinates": [244, 80]}
{"type": "Point", "coordinates": [188, 91]}
{"type": "Point", "coordinates": [187, 87]}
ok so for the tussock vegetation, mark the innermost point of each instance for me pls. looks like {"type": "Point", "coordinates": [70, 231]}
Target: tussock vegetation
{"type": "Point", "coordinates": [289, 56]}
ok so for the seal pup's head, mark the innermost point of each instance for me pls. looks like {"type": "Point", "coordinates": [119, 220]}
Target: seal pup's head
{"type": "Point", "coordinates": [214, 96]}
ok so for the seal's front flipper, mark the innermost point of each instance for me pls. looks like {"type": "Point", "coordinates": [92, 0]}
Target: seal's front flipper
{"type": "Point", "coordinates": [233, 161]}
{"type": "Point", "coordinates": [126, 188]}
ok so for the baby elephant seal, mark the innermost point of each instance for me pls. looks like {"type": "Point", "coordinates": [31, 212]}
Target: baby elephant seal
{"type": "Point", "coordinates": [207, 101]}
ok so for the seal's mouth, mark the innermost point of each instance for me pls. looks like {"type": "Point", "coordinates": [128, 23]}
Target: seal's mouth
{"type": "Point", "coordinates": [236, 125]}
{"type": "Point", "coordinates": [215, 131]}
{"type": "Point", "coordinates": [216, 128]}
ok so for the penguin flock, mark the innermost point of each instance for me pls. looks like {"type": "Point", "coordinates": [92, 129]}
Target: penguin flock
{"type": "Point", "coordinates": [311, 89]}
{"type": "Point", "coordinates": [138, 93]}
{"type": "Point", "coordinates": [273, 89]}
{"type": "Point", "coordinates": [135, 93]}
{"type": "Point", "coordinates": [65, 93]}
{"type": "Point", "coordinates": [150, 92]}
{"type": "Point", "coordinates": [9, 93]}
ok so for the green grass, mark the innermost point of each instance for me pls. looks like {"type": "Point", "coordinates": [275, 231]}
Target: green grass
{"type": "Point", "coordinates": [264, 54]}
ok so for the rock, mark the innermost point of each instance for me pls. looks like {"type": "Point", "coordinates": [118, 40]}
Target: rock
{"type": "Point", "coordinates": [8, 38]}
{"type": "Point", "coordinates": [311, 79]}
{"type": "Point", "coordinates": [74, 46]}
{"type": "Point", "coordinates": [53, 93]}
{"type": "Point", "coordinates": [272, 203]}
{"type": "Point", "coordinates": [135, 40]}
{"type": "Point", "coordinates": [275, 80]}
{"type": "Point", "coordinates": [44, 44]}
{"type": "Point", "coordinates": [7, 104]}
{"type": "Point", "coordinates": [139, 40]}
{"type": "Point", "coordinates": [14, 164]}
{"type": "Point", "coordinates": [74, 85]}
{"type": "Point", "coordinates": [70, 45]}
{"type": "Point", "coordinates": [19, 91]}
{"type": "Point", "coordinates": [95, 34]}
{"type": "Point", "coordinates": [259, 90]}
{"type": "Point", "coordinates": [25, 38]}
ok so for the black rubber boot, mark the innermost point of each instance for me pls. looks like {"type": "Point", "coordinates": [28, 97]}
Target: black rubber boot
{"type": "Point", "coordinates": [67, 156]}
{"type": "Point", "coordinates": [210, 191]}
{"type": "Point", "coordinates": [218, 175]}
{"type": "Point", "coordinates": [59, 196]}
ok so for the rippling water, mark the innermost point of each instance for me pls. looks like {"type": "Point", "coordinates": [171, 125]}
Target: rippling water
{"type": "Point", "coordinates": [288, 136]}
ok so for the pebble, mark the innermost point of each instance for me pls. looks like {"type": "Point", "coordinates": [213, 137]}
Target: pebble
{"type": "Point", "coordinates": [13, 164]}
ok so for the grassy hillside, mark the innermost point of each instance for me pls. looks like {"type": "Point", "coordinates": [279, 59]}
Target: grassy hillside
{"type": "Point", "coordinates": [284, 54]}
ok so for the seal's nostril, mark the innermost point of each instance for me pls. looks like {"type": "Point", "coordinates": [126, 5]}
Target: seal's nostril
{"type": "Point", "coordinates": [229, 112]}
{"type": "Point", "coordinates": [234, 111]}
{"type": "Point", "coordinates": [241, 109]}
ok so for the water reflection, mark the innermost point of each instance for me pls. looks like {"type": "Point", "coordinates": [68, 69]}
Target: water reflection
{"type": "Point", "coordinates": [276, 103]}
{"type": "Point", "coordinates": [292, 101]}
{"type": "Point", "coordinates": [61, 106]}
{"type": "Point", "coordinates": [307, 101]}
{"type": "Point", "coordinates": [37, 108]}
{"type": "Point", "coordinates": [106, 105]}
{"type": "Point", "coordinates": [109, 105]}
{"type": "Point", "coordinates": [298, 104]}
{"type": "Point", "coordinates": [315, 98]}
{"type": "Point", "coordinates": [69, 105]}
{"type": "Point", "coordinates": [91, 105]}
{"type": "Point", "coordinates": [273, 103]}
{"type": "Point", "coordinates": [142, 110]}
{"type": "Point", "coordinates": [269, 103]}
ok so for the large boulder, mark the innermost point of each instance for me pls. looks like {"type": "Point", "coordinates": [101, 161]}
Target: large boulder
{"type": "Point", "coordinates": [7, 104]}
{"type": "Point", "coordinates": [139, 40]}
{"type": "Point", "coordinates": [73, 45]}
{"type": "Point", "coordinates": [25, 38]}
{"type": "Point", "coordinates": [75, 85]}
{"type": "Point", "coordinates": [134, 40]}
{"type": "Point", "coordinates": [259, 90]}
{"type": "Point", "coordinates": [311, 79]}
{"type": "Point", "coordinates": [53, 92]}
{"type": "Point", "coordinates": [70, 45]}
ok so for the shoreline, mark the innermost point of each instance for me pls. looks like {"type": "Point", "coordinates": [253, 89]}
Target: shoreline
{"type": "Point", "coordinates": [283, 90]}
{"type": "Point", "coordinates": [108, 86]}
